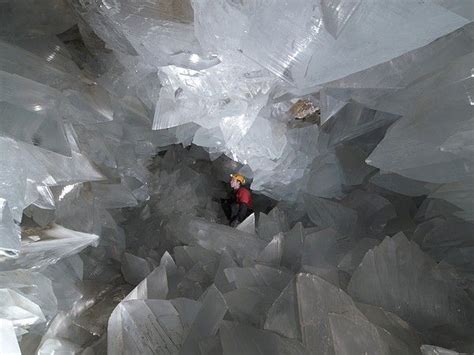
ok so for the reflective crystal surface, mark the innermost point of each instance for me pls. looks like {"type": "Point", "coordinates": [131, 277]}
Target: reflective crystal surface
{"type": "Point", "coordinates": [121, 122]}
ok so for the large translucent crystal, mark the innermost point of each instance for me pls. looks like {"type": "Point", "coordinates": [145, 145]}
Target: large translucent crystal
{"type": "Point", "coordinates": [419, 155]}
{"type": "Point", "coordinates": [48, 245]}
{"type": "Point", "coordinates": [460, 194]}
{"type": "Point", "coordinates": [145, 326]}
{"type": "Point", "coordinates": [206, 322]}
{"type": "Point", "coordinates": [336, 13]}
{"type": "Point", "coordinates": [412, 278]}
{"type": "Point", "coordinates": [154, 286]}
{"type": "Point", "coordinates": [10, 234]}
{"type": "Point", "coordinates": [237, 338]}
{"type": "Point", "coordinates": [34, 286]}
{"type": "Point", "coordinates": [323, 317]}
{"type": "Point", "coordinates": [326, 213]}
{"type": "Point", "coordinates": [224, 100]}
{"type": "Point", "coordinates": [120, 122]}
{"type": "Point", "coordinates": [218, 237]}
{"type": "Point", "coordinates": [303, 52]}
{"type": "Point", "coordinates": [22, 312]}
{"type": "Point", "coordinates": [24, 19]}
{"type": "Point", "coordinates": [8, 338]}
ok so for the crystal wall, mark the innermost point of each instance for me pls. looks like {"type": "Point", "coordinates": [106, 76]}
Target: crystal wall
{"type": "Point", "coordinates": [121, 120]}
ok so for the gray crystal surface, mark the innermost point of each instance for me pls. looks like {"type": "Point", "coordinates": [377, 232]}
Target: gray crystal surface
{"type": "Point", "coordinates": [411, 286]}
{"type": "Point", "coordinates": [121, 121]}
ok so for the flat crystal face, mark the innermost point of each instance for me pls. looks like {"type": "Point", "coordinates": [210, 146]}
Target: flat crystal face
{"type": "Point", "coordinates": [121, 122]}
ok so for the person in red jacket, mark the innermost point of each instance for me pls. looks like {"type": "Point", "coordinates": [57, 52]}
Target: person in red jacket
{"type": "Point", "coordinates": [240, 206]}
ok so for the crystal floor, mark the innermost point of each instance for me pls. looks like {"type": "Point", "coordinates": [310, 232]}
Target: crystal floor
{"type": "Point", "coordinates": [121, 120]}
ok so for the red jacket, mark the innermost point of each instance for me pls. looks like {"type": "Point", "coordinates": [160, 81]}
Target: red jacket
{"type": "Point", "coordinates": [243, 195]}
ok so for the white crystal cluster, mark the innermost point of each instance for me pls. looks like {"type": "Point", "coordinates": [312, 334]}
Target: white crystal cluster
{"type": "Point", "coordinates": [120, 121]}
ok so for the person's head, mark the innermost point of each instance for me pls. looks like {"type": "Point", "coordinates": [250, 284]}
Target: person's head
{"type": "Point", "coordinates": [236, 181]}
